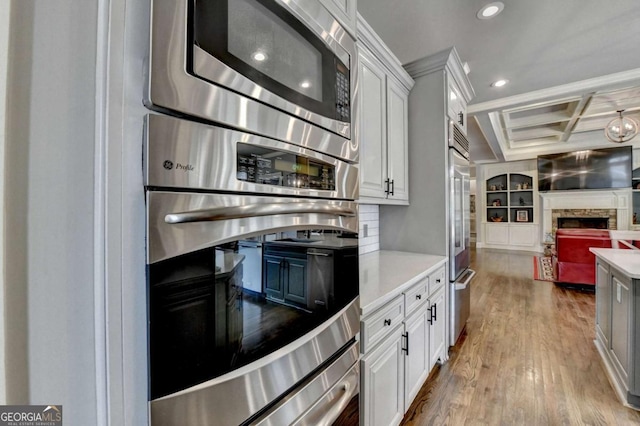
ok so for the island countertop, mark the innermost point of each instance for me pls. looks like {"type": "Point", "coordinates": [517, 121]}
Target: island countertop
{"type": "Point", "coordinates": [627, 261]}
{"type": "Point", "coordinates": [386, 274]}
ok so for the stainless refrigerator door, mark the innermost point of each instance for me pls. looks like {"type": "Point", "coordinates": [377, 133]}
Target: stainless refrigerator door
{"type": "Point", "coordinates": [459, 256]}
{"type": "Point", "coordinates": [460, 305]}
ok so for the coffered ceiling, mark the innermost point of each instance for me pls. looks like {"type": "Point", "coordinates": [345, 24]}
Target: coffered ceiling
{"type": "Point", "coordinates": [564, 118]}
{"type": "Point", "coordinates": [570, 66]}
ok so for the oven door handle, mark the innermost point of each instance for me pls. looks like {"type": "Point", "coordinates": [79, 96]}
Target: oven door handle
{"type": "Point", "coordinates": [253, 210]}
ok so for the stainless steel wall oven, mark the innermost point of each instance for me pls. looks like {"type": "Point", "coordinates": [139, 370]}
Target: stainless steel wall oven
{"type": "Point", "coordinates": [252, 278]}
{"type": "Point", "coordinates": [283, 69]}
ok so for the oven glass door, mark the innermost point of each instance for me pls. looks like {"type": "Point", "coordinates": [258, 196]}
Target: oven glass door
{"type": "Point", "coordinates": [263, 41]}
{"type": "Point", "coordinates": [258, 287]}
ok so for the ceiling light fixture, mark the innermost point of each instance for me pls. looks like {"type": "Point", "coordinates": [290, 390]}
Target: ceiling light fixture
{"type": "Point", "coordinates": [259, 56]}
{"type": "Point", "coordinates": [621, 129]}
{"type": "Point", "coordinates": [499, 83]}
{"type": "Point", "coordinates": [490, 10]}
{"type": "Point", "coordinates": [305, 84]}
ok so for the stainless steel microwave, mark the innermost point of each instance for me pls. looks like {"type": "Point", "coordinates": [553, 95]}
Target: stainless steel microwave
{"type": "Point", "coordinates": [278, 68]}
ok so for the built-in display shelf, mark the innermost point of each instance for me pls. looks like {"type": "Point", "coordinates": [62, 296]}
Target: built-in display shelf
{"type": "Point", "coordinates": [509, 216]}
{"type": "Point", "coordinates": [510, 198]}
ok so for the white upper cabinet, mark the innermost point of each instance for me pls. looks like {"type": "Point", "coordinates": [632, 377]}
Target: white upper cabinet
{"type": "Point", "coordinates": [373, 126]}
{"type": "Point", "coordinates": [383, 88]}
{"type": "Point", "coordinates": [456, 105]}
{"type": "Point", "coordinates": [397, 139]}
{"type": "Point", "coordinates": [344, 11]}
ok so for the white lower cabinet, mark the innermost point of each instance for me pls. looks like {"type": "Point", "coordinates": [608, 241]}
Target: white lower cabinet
{"type": "Point", "coordinates": [438, 326]}
{"type": "Point", "coordinates": [417, 364]}
{"type": "Point", "coordinates": [398, 355]}
{"type": "Point", "coordinates": [382, 374]}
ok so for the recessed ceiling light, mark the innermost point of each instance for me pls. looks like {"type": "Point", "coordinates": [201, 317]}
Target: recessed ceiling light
{"type": "Point", "coordinates": [490, 10]}
{"type": "Point", "coordinates": [499, 83]}
{"type": "Point", "coordinates": [259, 56]}
{"type": "Point", "coordinates": [305, 84]}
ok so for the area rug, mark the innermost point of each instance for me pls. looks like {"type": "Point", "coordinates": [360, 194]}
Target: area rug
{"type": "Point", "coordinates": [542, 268]}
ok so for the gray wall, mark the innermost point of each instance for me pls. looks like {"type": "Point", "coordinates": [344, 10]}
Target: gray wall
{"type": "Point", "coordinates": [422, 227]}
{"type": "Point", "coordinates": [49, 202]}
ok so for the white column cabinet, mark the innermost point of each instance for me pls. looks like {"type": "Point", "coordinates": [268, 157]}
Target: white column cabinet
{"type": "Point", "coordinates": [383, 87]}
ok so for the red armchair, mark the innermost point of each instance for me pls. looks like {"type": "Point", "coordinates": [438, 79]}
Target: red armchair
{"type": "Point", "coordinates": [573, 262]}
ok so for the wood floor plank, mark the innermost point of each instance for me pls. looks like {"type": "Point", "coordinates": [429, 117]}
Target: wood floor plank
{"type": "Point", "coordinates": [526, 358]}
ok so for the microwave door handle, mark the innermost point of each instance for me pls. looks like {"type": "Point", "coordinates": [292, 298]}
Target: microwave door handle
{"type": "Point", "coordinates": [254, 210]}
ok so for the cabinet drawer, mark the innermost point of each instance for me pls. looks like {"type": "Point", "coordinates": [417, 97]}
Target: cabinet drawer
{"type": "Point", "coordinates": [436, 280]}
{"type": "Point", "coordinates": [379, 324]}
{"type": "Point", "coordinates": [416, 295]}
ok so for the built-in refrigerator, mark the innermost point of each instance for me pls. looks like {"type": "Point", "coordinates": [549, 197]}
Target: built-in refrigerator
{"type": "Point", "coordinates": [460, 274]}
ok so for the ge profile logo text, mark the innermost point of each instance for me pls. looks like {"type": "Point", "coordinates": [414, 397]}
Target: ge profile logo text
{"type": "Point", "coordinates": [168, 165]}
{"type": "Point", "coordinates": [30, 415]}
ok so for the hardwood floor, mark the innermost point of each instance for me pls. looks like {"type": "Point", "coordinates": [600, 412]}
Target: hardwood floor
{"type": "Point", "coordinates": [527, 357]}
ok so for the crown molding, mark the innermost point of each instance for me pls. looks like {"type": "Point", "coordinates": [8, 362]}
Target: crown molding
{"type": "Point", "coordinates": [447, 59]}
{"type": "Point", "coordinates": [631, 76]}
{"type": "Point", "coordinates": [372, 41]}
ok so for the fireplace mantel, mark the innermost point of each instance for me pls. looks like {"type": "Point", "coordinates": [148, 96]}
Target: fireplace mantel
{"type": "Point", "coordinates": [594, 199]}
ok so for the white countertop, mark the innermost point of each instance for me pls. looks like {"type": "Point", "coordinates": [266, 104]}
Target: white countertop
{"type": "Point", "coordinates": [386, 274]}
{"type": "Point", "coordinates": [627, 261]}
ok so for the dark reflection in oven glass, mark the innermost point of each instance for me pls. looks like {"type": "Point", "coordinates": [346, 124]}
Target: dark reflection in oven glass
{"type": "Point", "coordinates": [220, 308]}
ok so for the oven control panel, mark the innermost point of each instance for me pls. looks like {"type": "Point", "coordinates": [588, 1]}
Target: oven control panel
{"type": "Point", "coordinates": [343, 92]}
{"type": "Point", "coordinates": [280, 168]}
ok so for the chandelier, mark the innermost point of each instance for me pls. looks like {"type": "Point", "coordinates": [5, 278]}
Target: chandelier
{"type": "Point", "coordinates": [621, 129]}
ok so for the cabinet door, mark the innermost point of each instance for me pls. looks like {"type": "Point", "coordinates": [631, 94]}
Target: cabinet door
{"type": "Point", "coordinates": [456, 106]}
{"type": "Point", "coordinates": [382, 382]}
{"type": "Point", "coordinates": [620, 316]}
{"type": "Point", "coordinates": [372, 126]}
{"type": "Point", "coordinates": [296, 280]}
{"type": "Point", "coordinates": [416, 367]}
{"type": "Point", "coordinates": [397, 139]}
{"type": "Point", "coordinates": [438, 324]}
{"type": "Point", "coordinates": [496, 234]}
{"type": "Point", "coordinates": [272, 270]}
{"type": "Point", "coordinates": [522, 235]}
{"type": "Point", "coordinates": [603, 302]}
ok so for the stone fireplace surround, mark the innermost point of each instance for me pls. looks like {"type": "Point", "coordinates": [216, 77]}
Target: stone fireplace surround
{"type": "Point", "coordinates": [610, 214]}
{"type": "Point", "coordinates": [616, 205]}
